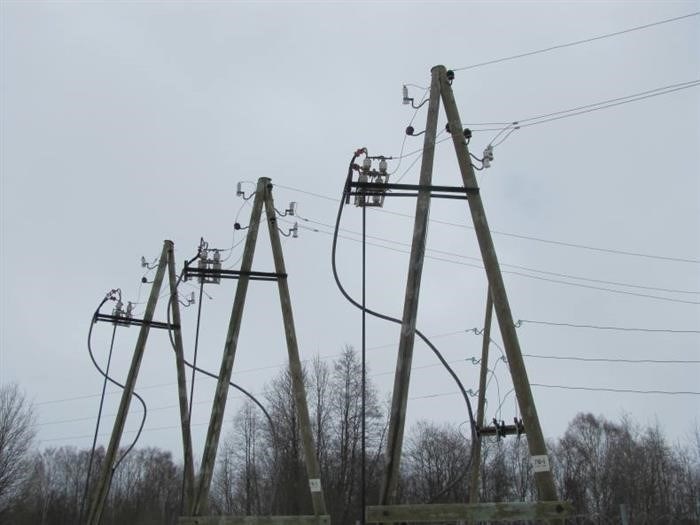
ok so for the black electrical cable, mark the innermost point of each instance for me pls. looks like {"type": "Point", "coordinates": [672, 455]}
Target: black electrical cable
{"type": "Point", "coordinates": [205, 372]}
{"type": "Point", "coordinates": [97, 425]}
{"type": "Point", "coordinates": [116, 383]}
{"type": "Point", "coordinates": [345, 198]}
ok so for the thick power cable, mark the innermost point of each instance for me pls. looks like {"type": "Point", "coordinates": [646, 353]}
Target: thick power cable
{"type": "Point", "coordinates": [97, 425]}
{"type": "Point", "coordinates": [117, 383]}
{"type": "Point", "coordinates": [363, 308]}
{"type": "Point", "coordinates": [194, 367]}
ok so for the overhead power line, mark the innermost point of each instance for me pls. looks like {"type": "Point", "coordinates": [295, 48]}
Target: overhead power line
{"type": "Point", "coordinates": [614, 360]}
{"type": "Point", "coordinates": [620, 390]}
{"type": "Point", "coordinates": [614, 328]}
{"type": "Point", "coordinates": [588, 108]}
{"type": "Point", "coordinates": [520, 274]}
{"type": "Point", "coordinates": [517, 266]}
{"type": "Point", "coordinates": [513, 235]}
{"type": "Point", "coordinates": [577, 42]}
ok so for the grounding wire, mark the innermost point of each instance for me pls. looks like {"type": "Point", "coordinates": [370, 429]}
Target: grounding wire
{"type": "Point", "coordinates": [346, 194]}
{"type": "Point", "coordinates": [196, 346]}
{"type": "Point", "coordinates": [97, 424]}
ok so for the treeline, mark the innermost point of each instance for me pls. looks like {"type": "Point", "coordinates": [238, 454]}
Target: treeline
{"type": "Point", "coordinates": [598, 465]}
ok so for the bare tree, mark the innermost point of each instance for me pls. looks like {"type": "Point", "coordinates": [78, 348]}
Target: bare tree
{"type": "Point", "coordinates": [16, 437]}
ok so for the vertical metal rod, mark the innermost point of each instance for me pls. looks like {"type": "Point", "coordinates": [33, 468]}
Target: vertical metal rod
{"type": "Point", "coordinates": [535, 439]}
{"type": "Point", "coordinates": [100, 495]}
{"type": "Point", "coordinates": [97, 426]}
{"type": "Point", "coordinates": [363, 461]}
{"type": "Point", "coordinates": [408, 327]}
{"type": "Point", "coordinates": [196, 346]}
{"type": "Point", "coordinates": [185, 419]}
{"type": "Point", "coordinates": [217, 413]}
{"type": "Point", "coordinates": [476, 458]}
{"type": "Point", "coordinates": [313, 468]}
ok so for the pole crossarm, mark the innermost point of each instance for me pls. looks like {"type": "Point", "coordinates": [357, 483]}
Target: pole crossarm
{"type": "Point", "coordinates": [368, 189]}
{"type": "Point", "coordinates": [127, 321]}
{"type": "Point", "coordinates": [232, 274]}
{"type": "Point", "coordinates": [451, 512]}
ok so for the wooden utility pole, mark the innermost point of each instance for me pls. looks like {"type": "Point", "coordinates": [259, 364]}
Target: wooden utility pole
{"type": "Point", "coordinates": [200, 503]}
{"type": "Point", "coordinates": [535, 439]}
{"type": "Point", "coordinates": [476, 454]}
{"type": "Point", "coordinates": [263, 196]}
{"type": "Point", "coordinates": [313, 469]}
{"type": "Point", "coordinates": [408, 327]}
{"type": "Point", "coordinates": [181, 384]}
{"type": "Point", "coordinates": [103, 484]}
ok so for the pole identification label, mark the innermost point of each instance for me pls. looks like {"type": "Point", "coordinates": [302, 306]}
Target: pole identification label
{"type": "Point", "coordinates": [315, 484]}
{"type": "Point", "coordinates": [540, 463]}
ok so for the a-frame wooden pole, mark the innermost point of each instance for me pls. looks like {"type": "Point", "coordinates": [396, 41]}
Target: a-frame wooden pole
{"type": "Point", "coordinates": [105, 479]}
{"type": "Point", "coordinates": [313, 469]}
{"type": "Point", "coordinates": [200, 504]}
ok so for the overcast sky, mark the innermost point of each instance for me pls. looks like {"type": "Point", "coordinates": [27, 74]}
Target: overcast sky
{"type": "Point", "coordinates": [124, 124]}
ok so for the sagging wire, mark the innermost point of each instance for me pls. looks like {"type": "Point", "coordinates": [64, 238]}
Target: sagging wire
{"type": "Point", "coordinates": [413, 163]}
{"type": "Point", "coordinates": [291, 232]}
{"type": "Point", "coordinates": [241, 193]}
{"type": "Point", "coordinates": [113, 295]}
{"type": "Point", "coordinates": [236, 227]}
{"type": "Point", "coordinates": [401, 156]}
{"type": "Point", "coordinates": [346, 199]}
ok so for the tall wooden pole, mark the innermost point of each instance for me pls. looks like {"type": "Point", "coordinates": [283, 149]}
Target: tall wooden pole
{"type": "Point", "coordinates": [313, 469]}
{"type": "Point", "coordinates": [535, 439]}
{"type": "Point", "coordinates": [476, 457]}
{"type": "Point", "coordinates": [103, 484]}
{"type": "Point", "coordinates": [181, 384]}
{"type": "Point", "coordinates": [408, 325]}
{"type": "Point", "coordinates": [217, 413]}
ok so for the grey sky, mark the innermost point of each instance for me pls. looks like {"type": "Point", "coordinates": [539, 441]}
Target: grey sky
{"type": "Point", "coordinates": [124, 124]}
